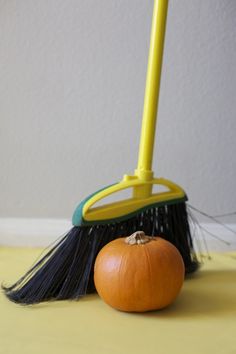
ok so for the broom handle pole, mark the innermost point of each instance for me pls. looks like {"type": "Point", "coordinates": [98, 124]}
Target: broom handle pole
{"type": "Point", "coordinates": [144, 168]}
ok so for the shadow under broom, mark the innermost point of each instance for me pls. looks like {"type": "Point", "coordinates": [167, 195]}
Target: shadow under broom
{"type": "Point", "coordinates": [66, 271]}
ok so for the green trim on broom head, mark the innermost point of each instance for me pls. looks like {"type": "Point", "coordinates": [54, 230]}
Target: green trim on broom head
{"type": "Point", "coordinates": [78, 220]}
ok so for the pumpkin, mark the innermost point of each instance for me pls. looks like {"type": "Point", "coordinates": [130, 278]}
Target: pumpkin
{"type": "Point", "coordinates": [139, 273]}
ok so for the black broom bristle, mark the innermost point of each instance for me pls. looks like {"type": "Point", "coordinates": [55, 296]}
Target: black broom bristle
{"type": "Point", "coordinates": [66, 271]}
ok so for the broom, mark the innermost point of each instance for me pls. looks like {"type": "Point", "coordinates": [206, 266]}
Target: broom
{"type": "Point", "coordinates": [66, 271]}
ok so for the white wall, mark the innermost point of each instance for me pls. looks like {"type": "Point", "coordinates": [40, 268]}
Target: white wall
{"type": "Point", "coordinates": [72, 77]}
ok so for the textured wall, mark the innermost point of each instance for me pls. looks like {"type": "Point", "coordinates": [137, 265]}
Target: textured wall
{"type": "Point", "coordinates": [72, 77]}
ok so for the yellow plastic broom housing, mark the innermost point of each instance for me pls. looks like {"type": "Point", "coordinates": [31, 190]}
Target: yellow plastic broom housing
{"type": "Point", "coordinates": [124, 209]}
{"type": "Point", "coordinates": [142, 181]}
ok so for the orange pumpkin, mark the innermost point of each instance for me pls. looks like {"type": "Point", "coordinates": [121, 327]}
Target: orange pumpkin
{"type": "Point", "coordinates": [139, 273]}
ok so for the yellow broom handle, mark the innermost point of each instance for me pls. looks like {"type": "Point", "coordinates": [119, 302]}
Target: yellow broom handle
{"type": "Point", "coordinates": [152, 89]}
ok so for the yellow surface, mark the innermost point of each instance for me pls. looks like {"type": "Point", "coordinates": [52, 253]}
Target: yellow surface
{"type": "Point", "coordinates": [202, 320]}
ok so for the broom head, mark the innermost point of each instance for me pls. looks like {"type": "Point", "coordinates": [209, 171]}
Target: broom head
{"type": "Point", "coordinates": [66, 270]}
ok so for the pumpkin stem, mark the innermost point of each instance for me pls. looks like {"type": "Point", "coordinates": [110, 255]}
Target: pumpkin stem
{"type": "Point", "coordinates": [138, 238]}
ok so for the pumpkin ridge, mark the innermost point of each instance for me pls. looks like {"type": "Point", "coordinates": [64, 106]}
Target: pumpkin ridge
{"type": "Point", "coordinates": [120, 272]}
{"type": "Point", "coordinates": [170, 257]}
{"type": "Point", "coordinates": [146, 251]}
{"type": "Point", "coordinates": [165, 261]}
